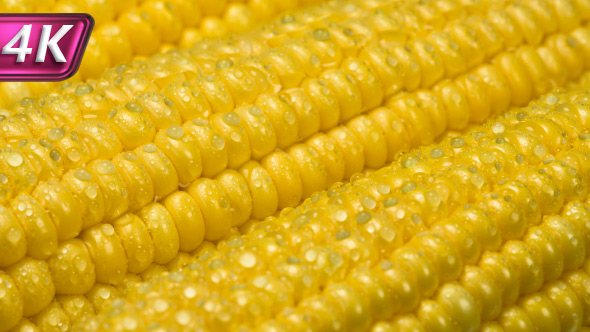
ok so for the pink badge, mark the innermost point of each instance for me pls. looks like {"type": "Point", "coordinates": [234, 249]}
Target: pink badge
{"type": "Point", "coordinates": [42, 47]}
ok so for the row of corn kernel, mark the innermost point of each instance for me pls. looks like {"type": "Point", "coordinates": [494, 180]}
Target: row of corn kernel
{"type": "Point", "coordinates": [560, 306]}
{"type": "Point", "coordinates": [241, 261]}
{"type": "Point", "coordinates": [112, 41]}
{"type": "Point", "coordinates": [477, 38]}
{"type": "Point", "coordinates": [461, 33]}
{"type": "Point", "coordinates": [338, 162]}
{"type": "Point", "coordinates": [576, 256]}
{"type": "Point", "coordinates": [142, 30]}
{"type": "Point", "coordinates": [550, 264]}
{"type": "Point", "coordinates": [542, 11]}
{"type": "Point", "coordinates": [159, 110]}
{"type": "Point", "coordinates": [235, 85]}
{"type": "Point", "coordinates": [73, 117]}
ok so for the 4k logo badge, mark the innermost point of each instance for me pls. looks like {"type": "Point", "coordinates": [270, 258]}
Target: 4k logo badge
{"type": "Point", "coordinates": [42, 47]}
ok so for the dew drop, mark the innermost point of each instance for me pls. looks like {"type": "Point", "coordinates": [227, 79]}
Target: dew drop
{"type": "Point", "coordinates": [105, 167]}
{"type": "Point", "coordinates": [14, 159]}
{"type": "Point", "coordinates": [340, 215]}
{"type": "Point", "coordinates": [539, 150]}
{"type": "Point", "coordinates": [150, 148]}
{"type": "Point", "coordinates": [14, 235]}
{"type": "Point", "coordinates": [343, 234]}
{"type": "Point", "coordinates": [437, 153]}
{"type": "Point", "coordinates": [231, 118]}
{"type": "Point", "coordinates": [363, 217]}
{"type": "Point", "coordinates": [56, 134]}
{"type": "Point", "coordinates": [175, 132]}
{"type": "Point", "coordinates": [107, 229]}
{"type": "Point", "coordinates": [552, 99]}
{"type": "Point", "coordinates": [255, 111]}
{"type": "Point", "coordinates": [321, 34]}
{"type": "Point", "coordinates": [457, 142]}
{"type": "Point", "coordinates": [82, 174]}
{"type": "Point", "coordinates": [247, 260]}
{"type": "Point", "coordinates": [83, 89]}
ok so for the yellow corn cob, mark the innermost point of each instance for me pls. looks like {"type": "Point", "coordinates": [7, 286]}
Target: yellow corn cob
{"type": "Point", "coordinates": [127, 28]}
{"type": "Point", "coordinates": [407, 241]}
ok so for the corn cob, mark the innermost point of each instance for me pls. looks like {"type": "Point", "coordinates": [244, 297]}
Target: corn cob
{"type": "Point", "coordinates": [361, 166]}
{"type": "Point", "coordinates": [355, 243]}
{"type": "Point", "coordinates": [120, 267]}
{"type": "Point", "coordinates": [127, 28]}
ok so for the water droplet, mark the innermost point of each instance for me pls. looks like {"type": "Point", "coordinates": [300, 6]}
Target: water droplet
{"type": "Point", "coordinates": [539, 150]}
{"type": "Point", "coordinates": [314, 60]}
{"type": "Point", "coordinates": [235, 136]}
{"type": "Point", "coordinates": [368, 202]}
{"type": "Point", "coordinates": [91, 191]}
{"type": "Point", "coordinates": [457, 142]}
{"type": "Point", "coordinates": [392, 61]}
{"type": "Point", "coordinates": [437, 153]}
{"type": "Point", "coordinates": [343, 234]}
{"type": "Point", "coordinates": [433, 198]}
{"type": "Point", "coordinates": [83, 89]}
{"type": "Point", "coordinates": [107, 229]}
{"type": "Point", "coordinates": [477, 180]}
{"type": "Point", "coordinates": [133, 107]}
{"type": "Point", "coordinates": [160, 305]}
{"type": "Point", "coordinates": [56, 134]}
{"type": "Point", "coordinates": [552, 99]}
{"type": "Point", "coordinates": [105, 167]}
{"type": "Point", "coordinates": [82, 174]}
{"type": "Point", "coordinates": [289, 118]}
{"type": "Point", "coordinates": [200, 122]}
{"type": "Point", "coordinates": [388, 233]}
{"type": "Point", "coordinates": [231, 118]}
{"type": "Point", "coordinates": [409, 186]}
{"type": "Point", "coordinates": [183, 317]}
{"type": "Point", "coordinates": [224, 63]}
{"type": "Point", "coordinates": [498, 128]}
{"type": "Point", "coordinates": [340, 215]}
{"type": "Point", "coordinates": [255, 111]}
{"type": "Point", "coordinates": [260, 281]}
{"type": "Point", "coordinates": [190, 292]}
{"type": "Point", "coordinates": [14, 235]}
{"type": "Point", "coordinates": [175, 132]}
{"type": "Point", "coordinates": [80, 263]}
{"type": "Point", "coordinates": [75, 154]}
{"type": "Point", "coordinates": [150, 148]}
{"type": "Point", "coordinates": [247, 260]}
{"type": "Point", "coordinates": [363, 217]}
{"type": "Point", "coordinates": [383, 189]}
{"type": "Point", "coordinates": [14, 159]}
{"type": "Point", "coordinates": [321, 34]}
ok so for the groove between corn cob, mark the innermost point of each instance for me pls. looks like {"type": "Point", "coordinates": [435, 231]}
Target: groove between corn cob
{"type": "Point", "coordinates": [335, 223]}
